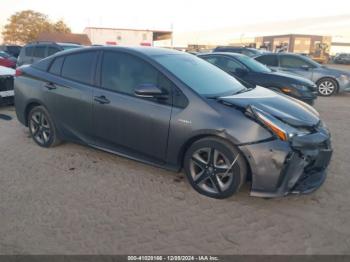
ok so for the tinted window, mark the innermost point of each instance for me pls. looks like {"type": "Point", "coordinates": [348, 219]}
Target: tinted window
{"type": "Point", "coordinates": [204, 78]}
{"type": "Point", "coordinates": [253, 65]}
{"type": "Point", "coordinates": [269, 60]}
{"type": "Point", "coordinates": [29, 50]}
{"type": "Point", "coordinates": [229, 65]}
{"type": "Point", "coordinates": [79, 67]}
{"type": "Point", "coordinates": [39, 51]}
{"type": "Point", "coordinates": [52, 50]}
{"type": "Point", "coordinates": [56, 66]}
{"type": "Point", "coordinates": [293, 61]}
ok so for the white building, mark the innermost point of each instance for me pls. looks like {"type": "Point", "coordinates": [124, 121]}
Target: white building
{"type": "Point", "coordinates": [129, 37]}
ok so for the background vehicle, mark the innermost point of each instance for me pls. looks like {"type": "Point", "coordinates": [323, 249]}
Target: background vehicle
{"type": "Point", "coordinates": [7, 60]}
{"type": "Point", "coordinates": [256, 73]}
{"type": "Point", "coordinates": [342, 58]}
{"type": "Point", "coordinates": [6, 85]}
{"type": "Point", "coordinates": [328, 80]}
{"type": "Point", "coordinates": [35, 51]}
{"type": "Point", "coordinates": [175, 110]}
{"type": "Point", "coordinates": [240, 50]}
{"type": "Point", "coordinates": [13, 50]}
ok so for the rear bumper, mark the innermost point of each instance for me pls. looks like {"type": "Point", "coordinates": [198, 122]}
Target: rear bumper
{"type": "Point", "coordinates": [298, 167]}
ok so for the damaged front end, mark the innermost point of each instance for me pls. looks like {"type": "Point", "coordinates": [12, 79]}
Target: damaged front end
{"type": "Point", "coordinates": [294, 162]}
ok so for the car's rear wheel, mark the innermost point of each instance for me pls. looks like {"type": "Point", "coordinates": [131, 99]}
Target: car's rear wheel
{"type": "Point", "coordinates": [327, 87]}
{"type": "Point", "coordinates": [42, 128]}
{"type": "Point", "coordinates": [215, 168]}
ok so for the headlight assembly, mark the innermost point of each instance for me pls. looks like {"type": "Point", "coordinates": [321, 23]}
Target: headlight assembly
{"type": "Point", "coordinates": [280, 129]}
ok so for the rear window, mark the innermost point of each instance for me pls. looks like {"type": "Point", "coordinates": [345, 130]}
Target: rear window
{"type": "Point", "coordinates": [269, 60]}
{"type": "Point", "coordinates": [79, 67]}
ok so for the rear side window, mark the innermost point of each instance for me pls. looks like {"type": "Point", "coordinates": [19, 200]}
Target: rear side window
{"type": "Point", "coordinates": [39, 51]}
{"type": "Point", "coordinates": [79, 67]}
{"type": "Point", "coordinates": [56, 66]}
{"type": "Point", "coordinates": [28, 51]}
{"type": "Point", "coordinates": [269, 60]}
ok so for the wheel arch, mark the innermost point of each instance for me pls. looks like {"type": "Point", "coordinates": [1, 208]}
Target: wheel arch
{"type": "Point", "coordinates": [30, 106]}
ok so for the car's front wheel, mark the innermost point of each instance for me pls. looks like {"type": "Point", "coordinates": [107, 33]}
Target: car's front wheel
{"type": "Point", "coordinates": [326, 87]}
{"type": "Point", "coordinates": [42, 128]}
{"type": "Point", "coordinates": [215, 168]}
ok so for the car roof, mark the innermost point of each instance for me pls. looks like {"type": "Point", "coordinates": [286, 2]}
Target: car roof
{"type": "Point", "coordinates": [236, 55]}
{"type": "Point", "coordinates": [147, 51]}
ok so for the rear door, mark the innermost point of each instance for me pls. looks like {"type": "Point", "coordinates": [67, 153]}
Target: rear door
{"type": "Point", "coordinates": [126, 123]}
{"type": "Point", "coordinates": [69, 90]}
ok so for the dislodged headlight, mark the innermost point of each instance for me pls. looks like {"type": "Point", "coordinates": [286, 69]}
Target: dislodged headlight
{"type": "Point", "coordinates": [277, 127]}
{"type": "Point", "coordinates": [344, 77]}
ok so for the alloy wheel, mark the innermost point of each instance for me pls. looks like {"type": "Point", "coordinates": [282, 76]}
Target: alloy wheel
{"type": "Point", "coordinates": [40, 128]}
{"type": "Point", "coordinates": [326, 88]}
{"type": "Point", "coordinates": [211, 170]}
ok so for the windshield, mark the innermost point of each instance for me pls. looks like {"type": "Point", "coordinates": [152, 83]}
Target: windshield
{"type": "Point", "coordinates": [253, 65]}
{"type": "Point", "coordinates": [201, 76]}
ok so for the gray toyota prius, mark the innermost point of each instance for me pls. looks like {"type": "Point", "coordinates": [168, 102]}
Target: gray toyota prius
{"type": "Point", "coordinates": [176, 111]}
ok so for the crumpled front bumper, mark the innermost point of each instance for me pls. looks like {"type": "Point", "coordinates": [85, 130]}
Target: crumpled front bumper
{"type": "Point", "coordinates": [279, 168]}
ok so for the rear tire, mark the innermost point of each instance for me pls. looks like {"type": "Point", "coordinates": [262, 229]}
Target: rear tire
{"type": "Point", "coordinates": [42, 128]}
{"type": "Point", "coordinates": [215, 168]}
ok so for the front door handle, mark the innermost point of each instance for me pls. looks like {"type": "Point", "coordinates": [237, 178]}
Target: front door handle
{"type": "Point", "coordinates": [50, 86]}
{"type": "Point", "coordinates": [101, 99]}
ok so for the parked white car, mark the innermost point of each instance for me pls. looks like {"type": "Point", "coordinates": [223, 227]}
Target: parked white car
{"type": "Point", "coordinates": [6, 85]}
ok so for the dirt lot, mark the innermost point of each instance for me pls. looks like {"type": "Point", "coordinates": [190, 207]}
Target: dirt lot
{"type": "Point", "coordinates": [77, 200]}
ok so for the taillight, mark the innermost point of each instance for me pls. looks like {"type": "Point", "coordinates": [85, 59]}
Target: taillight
{"type": "Point", "coordinates": [18, 72]}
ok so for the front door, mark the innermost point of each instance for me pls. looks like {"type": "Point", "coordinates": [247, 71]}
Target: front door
{"type": "Point", "coordinates": [296, 65]}
{"type": "Point", "coordinates": [124, 122]}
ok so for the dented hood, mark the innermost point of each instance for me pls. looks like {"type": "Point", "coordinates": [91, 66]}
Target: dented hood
{"type": "Point", "coordinates": [287, 109]}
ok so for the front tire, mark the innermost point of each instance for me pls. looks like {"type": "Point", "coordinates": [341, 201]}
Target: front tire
{"type": "Point", "coordinates": [42, 128]}
{"type": "Point", "coordinates": [215, 168]}
{"type": "Point", "coordinates": [327, 87]}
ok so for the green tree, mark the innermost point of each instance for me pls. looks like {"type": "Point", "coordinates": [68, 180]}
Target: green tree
{"type": "Point", "coordinates": [25, 26]}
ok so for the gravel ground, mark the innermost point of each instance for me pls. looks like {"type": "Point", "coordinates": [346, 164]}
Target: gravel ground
{"type": "Point", "coordinates": [76, 200]}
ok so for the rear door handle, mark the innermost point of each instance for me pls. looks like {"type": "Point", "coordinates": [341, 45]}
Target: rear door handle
{"type": "Point", "coordinates": [101, 99]}
{"type": "Point", "coordinates": [50, 86]}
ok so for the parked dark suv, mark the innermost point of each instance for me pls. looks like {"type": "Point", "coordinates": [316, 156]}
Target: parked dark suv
{"type": "Point", "coordinates": [35, 51]}
{"type": "Point", "coordinates": [177, 111]}
{"type": "Point", "coordinates": [239, 50]}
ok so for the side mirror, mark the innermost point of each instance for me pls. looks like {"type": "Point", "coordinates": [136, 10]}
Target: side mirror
{"type": "Point", "coordinates": [241, 71]}
{"type": "Point", "coordinates": [149, 91]}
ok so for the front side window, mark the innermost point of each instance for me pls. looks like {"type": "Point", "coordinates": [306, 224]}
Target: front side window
{"type": "Point", "coordinates": [294, 62]}
{"type": "Point", "coordinates": [202, 77]}
{"type": "Point", "coordinates": [79, 67]}
{"type": "Point", "coordinates": [123, 73]}
{"type": "Point", "coordinates": [253, 65]}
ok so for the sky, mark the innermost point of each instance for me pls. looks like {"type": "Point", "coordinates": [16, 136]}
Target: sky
{"type": "Point", "coordinates": [181, 15]}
